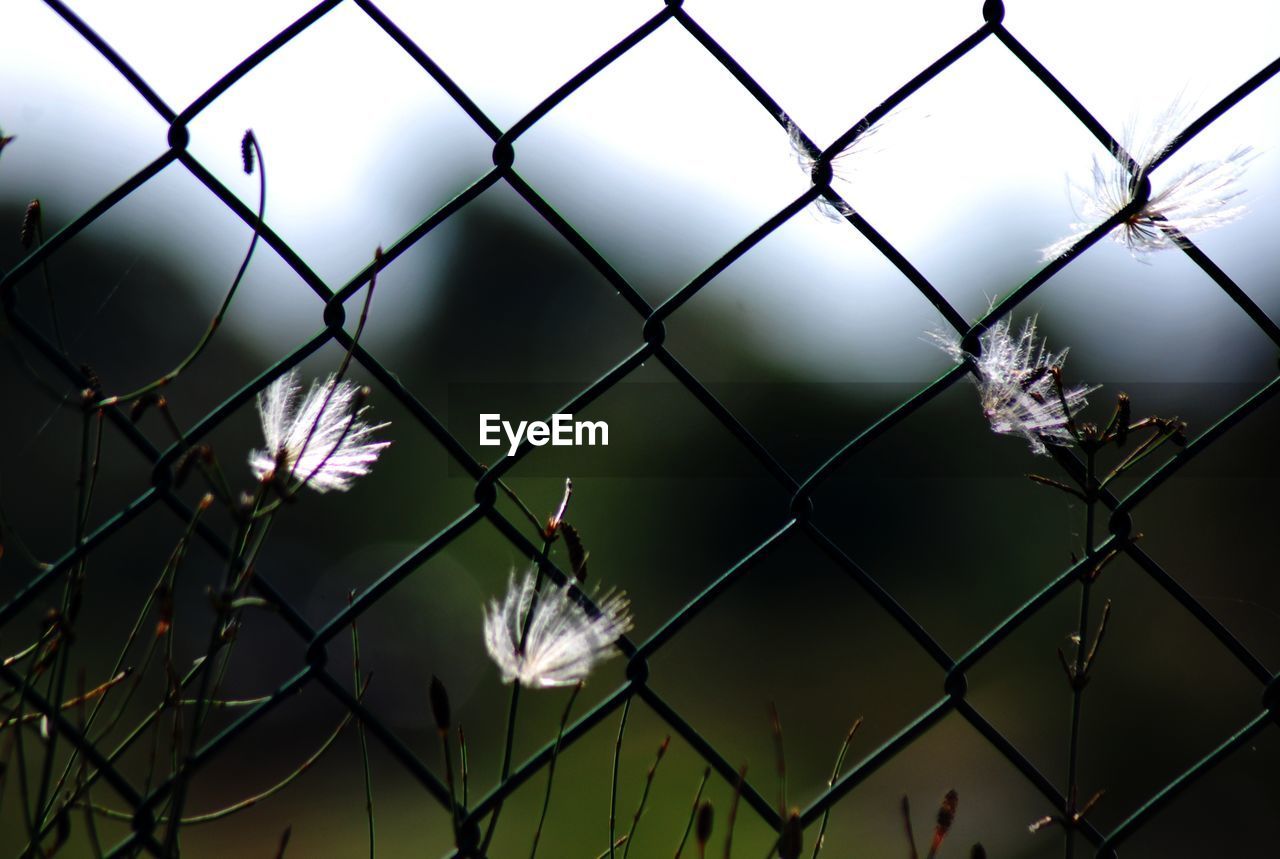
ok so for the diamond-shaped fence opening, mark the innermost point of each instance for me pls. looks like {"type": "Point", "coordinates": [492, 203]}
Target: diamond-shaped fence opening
{"type": "Point", "coordinates": [519, 250]}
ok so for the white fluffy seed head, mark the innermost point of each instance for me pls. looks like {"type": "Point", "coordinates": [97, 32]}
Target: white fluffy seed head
{"type": "Point", "coordinates": [1199, 198]}
{"type": "Point", "coordinates": [563, 642]}
{"type": "Point", "coordinates": [843, 165]}
{"type": "Point", "coordinates": [321, 442]}
{"type": "Point", "coordinates": [1015, 381]}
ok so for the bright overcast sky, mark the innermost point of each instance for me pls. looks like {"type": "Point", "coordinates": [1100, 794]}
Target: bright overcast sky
{"type": "Point", "coordinates": [664, 162]}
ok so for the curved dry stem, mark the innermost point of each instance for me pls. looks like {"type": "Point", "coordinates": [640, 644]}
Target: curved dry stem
{"type": "Point", "coordinates": [216, 322]}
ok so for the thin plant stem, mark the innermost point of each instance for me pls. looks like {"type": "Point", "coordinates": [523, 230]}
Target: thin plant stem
{"type": "Point", "coordinates": [524, 508]}
{"type": "Point", "coordinates": [644, 796]}
{"type": "Point", "coordinates": [733, 811]}
{"type": "Point", "coordinates": [613, 789]}
{"type": "Point", "coordinates": [606, 854]}
{"type": "Point", "coordinates": [232, 616]}
{"type": "Point", "coordinates": [5, 757]}
{"type": "Point", "coordinates": [514, 705]}
{"type": "Point", "coordinates": [906, 825]}
{"type": "Point", "coordinates": [90, 460]}
{"type": "Point", "coordinates": [693, 815]}
{"type": "Point", "coordinates": [29, 819]}
{"type": "Point", "coordinates": [247, 802]}
{"type": "Point", "coordinates": [165, 580]}
{"type": "Point", "coordinates": [90, 825]}
{"type": "Point", "coordinates": [551, 768]}
{"type": "Point", "coordinates": [1077, 687]}
{"type": "Point", "coordinates": [775, 723]}
{"type": "Point", "coordinates": [1145, 449]}
{"type": "Point", "coordinates": [462, 763]}
{"type": "Point", "coordinates": [38, 227]}
{"type": "Point", "coordinates": [151, 719]}
{"type": "Point", "coordinates": [212, 473]}
{"type": "Point", "coordinates": [216, 322]}
{"type": "Point", "coordinates": [21, 654]}
{"type": "Point", "coordinates": [364, 740]}
{"type": "Point", "coordinates": [447, 754]}
{"type": "Point", "coordinates": [835, 774]}
{"type": "Point", "coordinates": [333, 389]}
{"type": "Point", "coordinates": [223, 616]}
{"type": "Point", "coordinates": [79, 700]}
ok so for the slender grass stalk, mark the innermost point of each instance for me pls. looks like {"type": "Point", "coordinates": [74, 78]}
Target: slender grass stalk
{"type": "Point", "coordinates": [90, 825]}
{"type": "Point", "coordinates": [454, 811]}
{"type": "Point", "coordinates": [79, 700]}
{"type": "Point", "coordinates": [90, 461]}
{"type": "Point", "coordinates": [514, 705]}
{"type": "Point", "coordinates": [906, 825]}
{"type": "Point", "coordinates": [35, 222]}
{"type": "Point", "coordinates": [606, 854]}
{"type": "Point", "coordinates": [644, 796]}
{"type": "Point", "coordinates": [462, 763]}
{"type": "Point", "coordinates": [50, 639]}
{"type": "Point", "coordinates": [835, 774]}
{"type": "Point", "coordinates": [733, 811]}
{"type": "Point", "coordinates": [524, 508]}
{"type": "Point", "coordinates": [693, 813]}
{"type": "Point", "coordinates": [19, 656]}
{"type": "Point", "coordinates": [343, 366]}
{"type": "Point", "coordinates": [364, 740]}
{"type": "Point", "coordinates": [613, 788]}
{"type": "Point", "coordinates": [1077, 687]}
{"type": "Point", "coordinates": [137, 732]}
{"type": "Point", "coordinates": [551, 768]}
{"type": "Point", "coordinates": [1145, 449]}
{"type": "Point", "coordinates": [247, 802]}
{"type": "Point", "coordinates": [284, 841]}
{"type": "Point", "coordinates": [780, 755]}
{"type": "Point", "coordinates": [216, 322]}
{"type": "Point", "coordinates": [165, 580]}
{"type": "Point", "coordinates": [6, 756]}
{"type": "Point", "coordinates": [222, 617]}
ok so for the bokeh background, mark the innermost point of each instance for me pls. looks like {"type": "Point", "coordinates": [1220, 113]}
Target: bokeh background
{"type": "Point", "coordinates": [663, 162]}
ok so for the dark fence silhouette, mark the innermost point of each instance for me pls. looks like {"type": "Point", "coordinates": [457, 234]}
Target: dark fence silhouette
{"type": "Point", "coordinates": [650, 320]}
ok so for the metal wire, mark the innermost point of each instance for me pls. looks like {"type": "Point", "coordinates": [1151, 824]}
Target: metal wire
{"type": "Point", "coordinates": [797, 525]}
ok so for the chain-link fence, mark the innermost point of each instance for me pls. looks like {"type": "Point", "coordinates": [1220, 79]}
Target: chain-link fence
{"type": "Point", "coordinates": [650, 320]}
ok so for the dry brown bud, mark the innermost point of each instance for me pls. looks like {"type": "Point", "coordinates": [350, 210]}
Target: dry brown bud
{"type": "Point", "coordinates": [706, 816]}
{"type": "Point", "coordinates": [946, 817]}
{"type": "Point", "coordinates": [440, 705]}
{"type": "Point", "coordinates": [246, 150]}
{"type": "Point", "coordinates": [30, 224]}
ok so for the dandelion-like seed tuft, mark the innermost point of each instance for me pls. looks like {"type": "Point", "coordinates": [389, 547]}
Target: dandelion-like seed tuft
{"type": "Point", "coordinates": [1018, 382]}
{"type": "Point", "coordinates": [843, 164]}
{"type": "Point", "coordinates": [321, 443]}
{"type": "Point", "coordinates": [562, 644]}
{"type": "Point", "coordinates": [1199, 198]}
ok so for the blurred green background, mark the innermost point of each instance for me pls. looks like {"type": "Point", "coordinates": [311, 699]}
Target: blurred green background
{"type": "Point", "coordinates": [807, 339]}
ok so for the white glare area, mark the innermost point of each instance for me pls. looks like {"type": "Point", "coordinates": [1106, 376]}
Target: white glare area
{"type": "Point", "coordinates": [663, 161]}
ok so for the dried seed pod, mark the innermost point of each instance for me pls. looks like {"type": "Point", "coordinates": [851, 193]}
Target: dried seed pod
{"type": "Point", "coordinates": [30, 222]}
{"type": "Point", "coordinates": [440, 705]}
{"type": "Point", "coordinates": [577, 554]}
{"type": "Point", "coordinates": [946, 817]}
{"type": "Point", "coordinates": [702, 830]}
{"type": "Point", "coordinates": [246, 150]}
{"type": "Point", "coordinates": [1124, 413]}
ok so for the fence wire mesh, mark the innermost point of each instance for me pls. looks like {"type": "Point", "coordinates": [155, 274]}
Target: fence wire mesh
{"type": "Point", "coordinates": [799, 525]}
